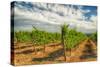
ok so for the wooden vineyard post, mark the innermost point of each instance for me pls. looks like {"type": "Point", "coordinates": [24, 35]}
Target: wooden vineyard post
{"type": "Point", "coordinates": [44, 43]}
{"type": "Point", "coordinates": [34, 36]}
{"type": "Point", "coordinates": [44, 48]}
{"type": "Point", "coordinates": [35, 50]}
{"type": "Point", "coordinates": [64, 49]}
{"type": "Point", "coordinates": [63, 35]}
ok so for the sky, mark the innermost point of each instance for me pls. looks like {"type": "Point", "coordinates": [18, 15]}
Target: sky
{"type": "Point", "coordinates": [50, 16]}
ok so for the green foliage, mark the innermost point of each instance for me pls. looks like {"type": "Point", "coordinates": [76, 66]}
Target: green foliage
{"type": "Point", "coordinates": [22, 36]}
{"type": "Point", "coordinates": [94, 36]}
{"type": "Point", "coordinates": [71, 37]}
{"type": "Point", "coordinates": [37, 37]}
{"type": "Point", "coordinates": [64, 30]}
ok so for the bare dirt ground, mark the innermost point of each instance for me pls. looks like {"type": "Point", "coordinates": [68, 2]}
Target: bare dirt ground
{"type": "Point", "coordinates": [24, 53]}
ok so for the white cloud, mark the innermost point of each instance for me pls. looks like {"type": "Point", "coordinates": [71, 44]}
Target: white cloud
{"type": "Point", "coordinates": [93, 18]}
{"type": "Point", "coordinates": [58, 14]}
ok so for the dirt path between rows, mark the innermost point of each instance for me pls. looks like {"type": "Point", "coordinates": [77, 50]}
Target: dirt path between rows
{"type": "Point", "coordinates": [24, 54]}
{"type": "Point", "coordinates": [84, 49]}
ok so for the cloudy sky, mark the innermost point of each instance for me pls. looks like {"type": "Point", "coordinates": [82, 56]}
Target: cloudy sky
{"type": "Point", "coordinates": [50, 16]}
